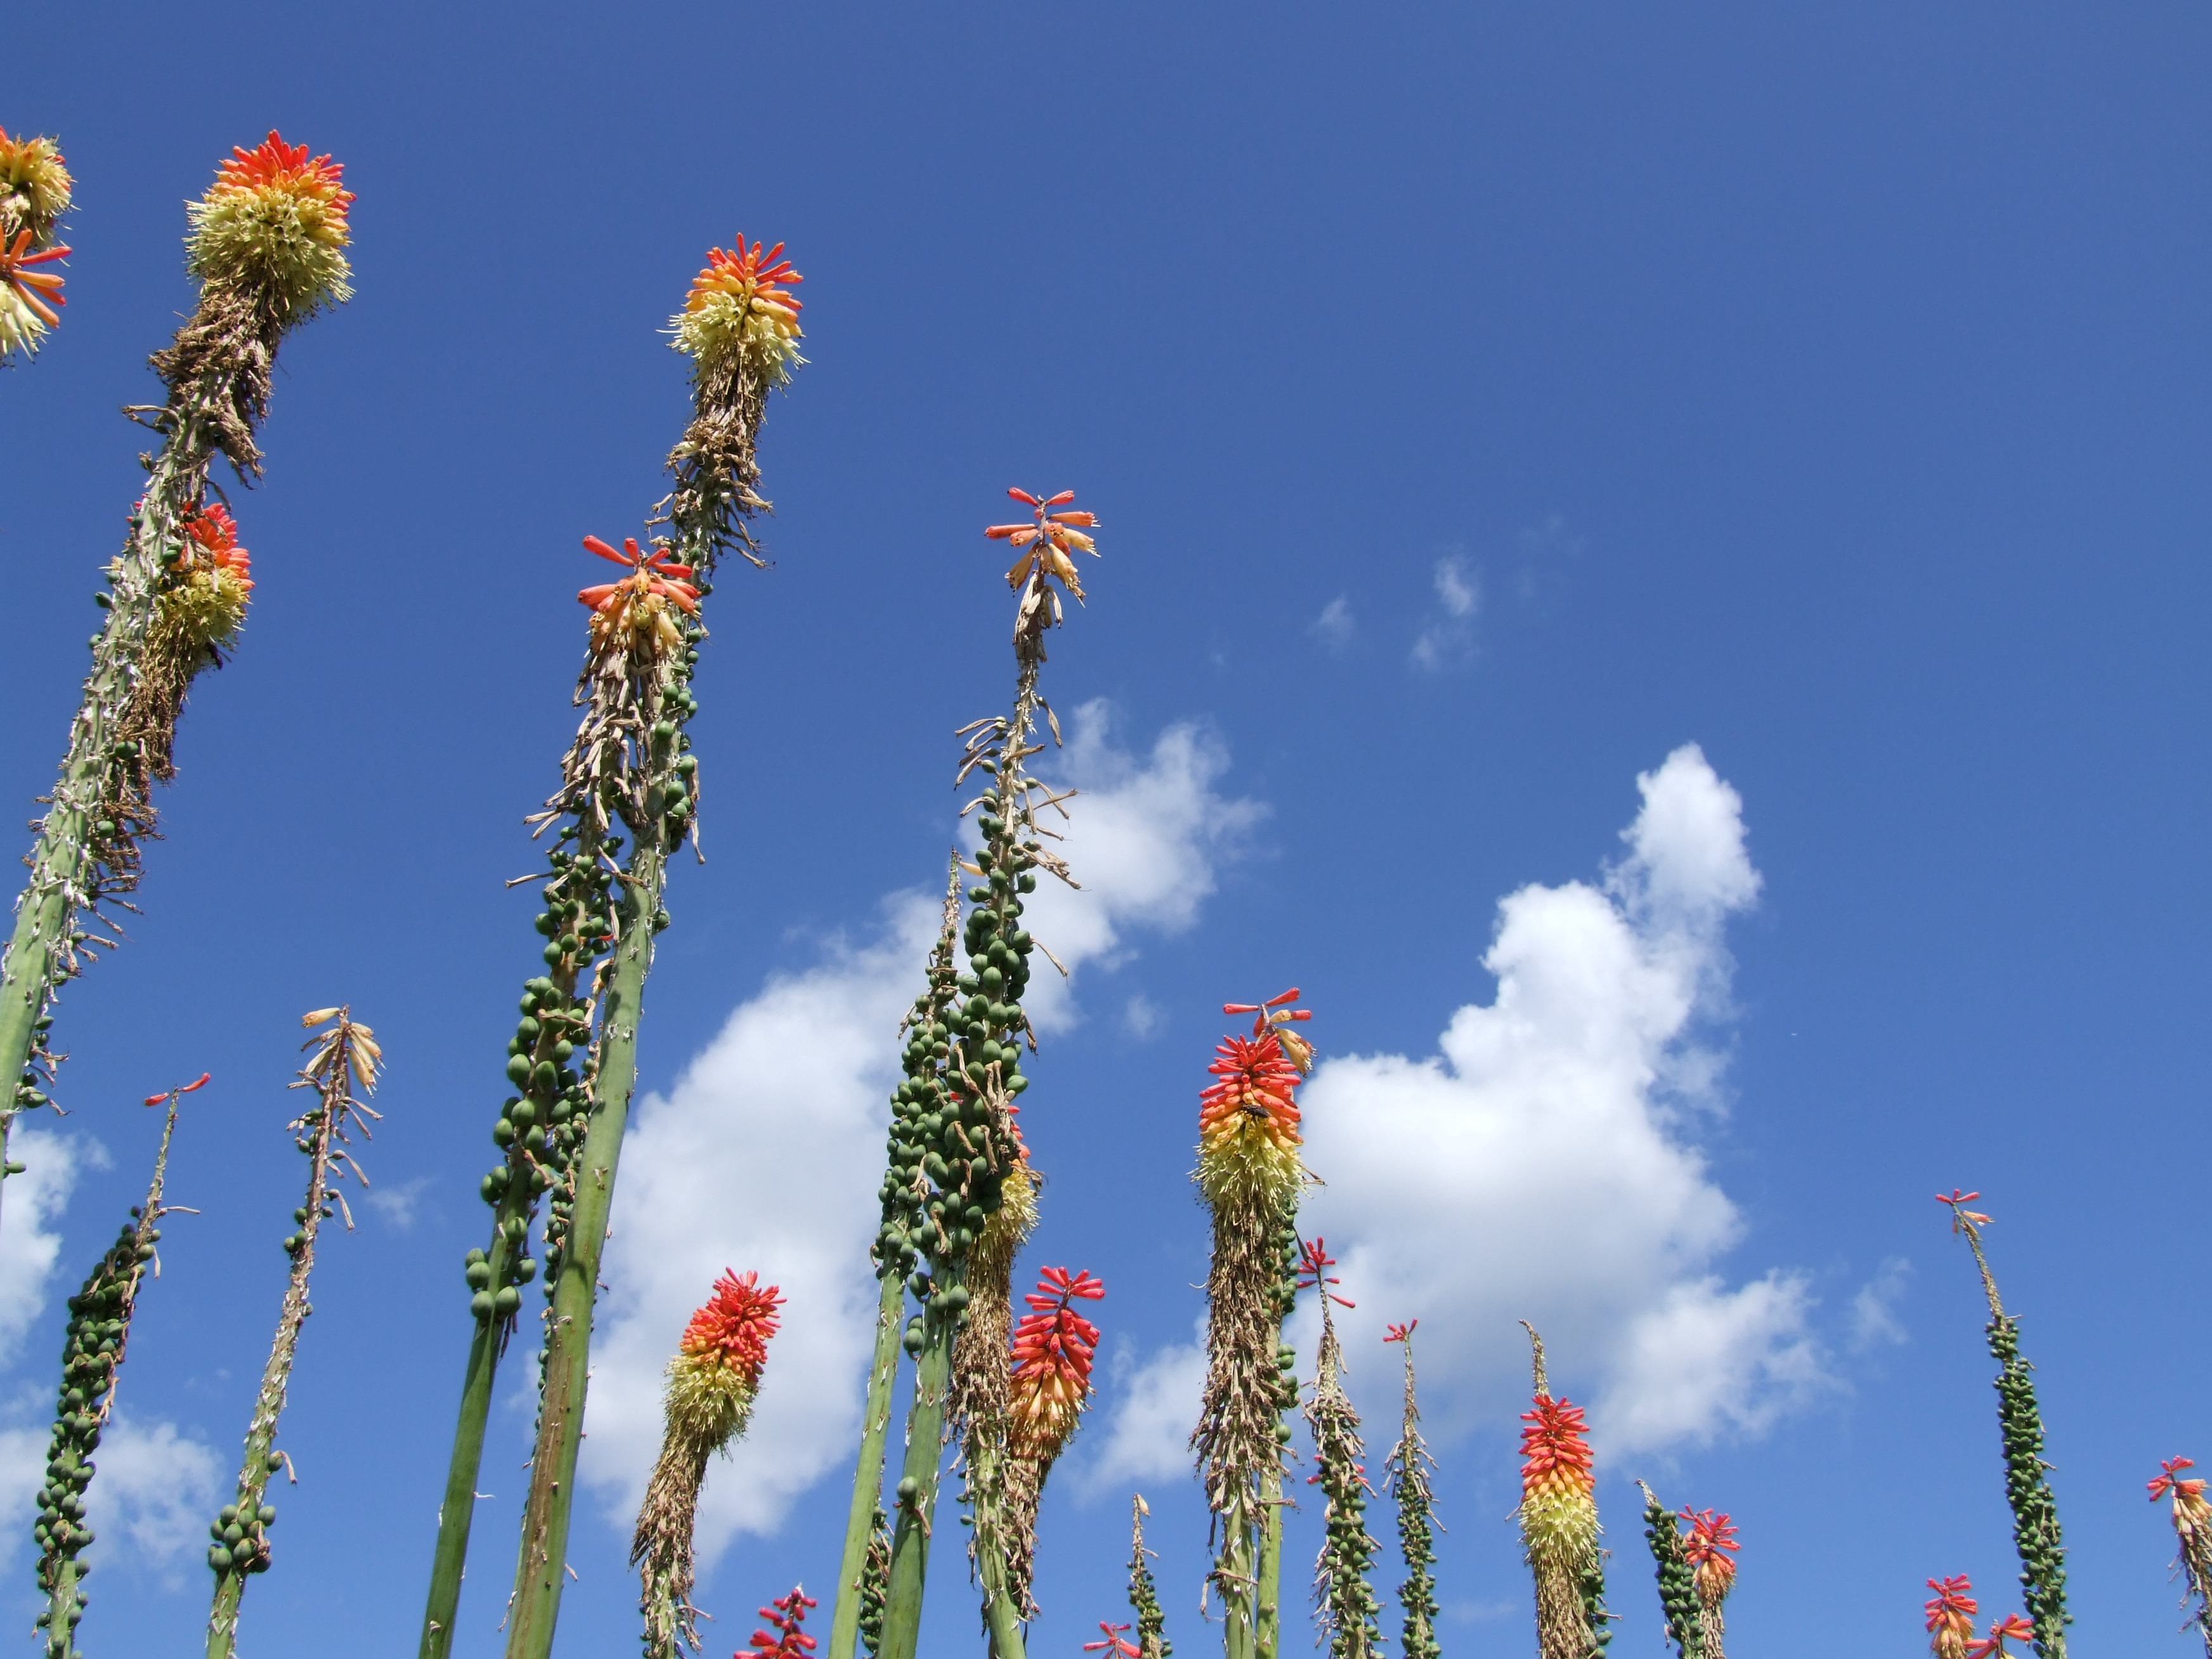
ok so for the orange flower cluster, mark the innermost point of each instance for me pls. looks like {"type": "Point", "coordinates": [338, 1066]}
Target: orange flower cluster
{"type": "Point", "coordinates": [213, 534]}
{"type": "Point", "coordinates": [1053, 1350]}
{"type": "Point", "coordinates": [731, 1332]}
{"type": "Point", "coordinates": [1046, 542]}
{"type": "Point", "coordinates": [783, 1639]}
{"type": "Point", "coordinates": [273, 164]}
{"type": "Point", "coordinates": [1707, 1549]}
{"type": "Point", "coordinates": [635, 611]}
{"type": "Point", "coordinates": [1555, 1451]}
{"type": "Point", "coordinates": [2011, 1627]}
{"type": "Point", "coordinates": [1259, 1084]}
{"type": "Point", "coordinates": [1951, 1613]}
{"type": "Point", "coordinates": [1277, 1014]}
{"type": "Point", "coordinates": [33, 289]}
{"type": "Point", "coordinates": [752, 276]}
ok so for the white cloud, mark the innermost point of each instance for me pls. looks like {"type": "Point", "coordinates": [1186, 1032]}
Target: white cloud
{"type": "Point", "coordinates": [1142, 1016]}
{"type": "Point", "coordinates": [153, 1491]}
{"type": "Point", "coordinates": [799, 1079]}
{"type": "Point", "coordinates": [1537, 1167]}
{"type": "Point", "coordinates": [1155, 1408]}
{"type": "Point", "coordinates": [29, 1243]}
{"type": "Point", "coordinates": [399, 1205]}
{"type": "Point", "coordinates": [1447, 637]}
{"type": "Point", "coordinates": [1335, 625]}
{"type": "Point", "coordinates": [1875, 1322]}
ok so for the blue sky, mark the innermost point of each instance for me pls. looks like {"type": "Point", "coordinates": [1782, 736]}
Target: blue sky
{"type": "Point", "coordinates": [1483, 404]}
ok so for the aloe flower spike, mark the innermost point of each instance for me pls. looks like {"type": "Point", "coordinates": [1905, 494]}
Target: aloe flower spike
{"type": "Point", "coordinates": [2192, 1527]}
{"type": "Point", "coordinates": [1412, 1471]}
{"type": "Point", "coordinates": [1143, 1595]}
{"type": "Point", "coordinates": [173, 600]}
{"type": "Point", "coordinates": [345, 1058]}
{"type": "Point", "coordinates": [2035, 1530]}
{"type": "Point", "coordinates": [1558, 1522]}
{"type": "Point", "coordinates": [34, 193]}
{"type": "Point", "coordinates": [1347, 1612]}
{"type": "Point", "coordinates": [1678, 1586]}
{"type": "Point", "coordinates": [93, 1349]}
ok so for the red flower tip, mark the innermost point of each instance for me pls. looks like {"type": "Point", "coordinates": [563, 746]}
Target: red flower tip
{"type": "Point", "coordinates": [785, 1617]}
{"type": "Point", "coordinates": [1115, 1644]}
{"type": "Point", "coordinates": [2169, 1479]}
{"type": "Point", "coordinates": [1556, 1439]}
{"type": "Point", "coordinates": [1400, 1333]}
{"type": "Point", "coordinates": [1962, 1217]}
{"type": "Point", "coordinates": [733, 1328]}
{"type": "Point", "coordinates": [274, 162]}
{"type": "Point", "coordinates": [1314, 1263]}
{"type": "Point", "coordinates": [1710, 1532]}
{"type": "Point", "coordinates": [1952, 1604]}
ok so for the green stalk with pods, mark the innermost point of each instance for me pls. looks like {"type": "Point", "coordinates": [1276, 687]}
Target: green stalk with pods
{"type": "Point", "coordinates": [1678, 1588]}
{"type": "Point", "coordinates": [958, 1161]}
{"type": "Point", "coordinates": [1347, 1609]}
{"type": "Point", "coordinates": [1144, 1594]}
{"type": "Point", "coordinates": [629, 759]}
{"type": "Point", "coordinates": [346, 1058]}
{"type": "Point", "coordinates": [571, 1059]}
{"type": "Point", "coordinates": [1411, 1472]}
{"type": "Point", "coordinates": [920, 1090]}
{"type": "Point", "coordinates": [267, 243]}
{"type": "Point", "coordinates": [92, 1353]}
{"type": "Point", "coordinates": [2035, 1533]}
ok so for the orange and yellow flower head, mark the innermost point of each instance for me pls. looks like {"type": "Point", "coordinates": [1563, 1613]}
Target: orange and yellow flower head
{"type": "Point", "coordinates": [273, 225]}
{"type": "Point", "coordinates": [1247, 1123]}
{"type": "Point", "coordinates": [741, 313]}
{"type": "Point", "coordinates": [1558, 1485]}
{"type": "Point", "coordinates": [1951, 1613]}
{"type": "Point", "coordinates": [30, 299]}
{"type": "Point", "coordinates": [205, 597]}
{"type": "Point", "coordinates": [717, 1368]}
{"type": "Point", "coordinates": [1710, 1551]}
{"type": "Point", "coordinates": [1053, 1350]}
{"type": "Point", "coordinates": [637, 614]}
{"type": "Point", "coordinates": [34, 186]}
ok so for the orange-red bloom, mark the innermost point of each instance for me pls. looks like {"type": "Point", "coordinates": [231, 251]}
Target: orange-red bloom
{"type": "Point", "coordinates": [1400, 1333]}
{"type": "Point", "coordinates": [1962, 1218]}
{"type": "Point", "coordinates": [1707, 1549]}
{"type": "Point", "coordinates": [1115, 1644]}
{"type": "Point", "coordinates": [1555, 1448]}
{"type": "Point", "coordinates": [1951, 1613]}
{"type": "Point", "coordinates": [1053, 1347]}
{"type": "Point", "coordinates": [273, 165]}
{"type": "Point", "coordinates": [213, 534]}
{"type": "Point", "coordinates": [1314, 1264]}
{"type": "Point", "coordinates": [1277, 1014]}
{"type": "Point", "coordinates": [751, 276]}
{"type": "Point", "coordinates": [1257, 1082]}
{"type": "Point", "coordinates": [33, 288]}
{"type": "Point", "coordinates": [783, 1639]}
{"type": "Point", "coordinates": [650, 573]}
{"type": "Point", "coordinates": [2011, 1627]}
{"type": "Point", "coordinates": [1048, 540]}
{"type": "Point", "coordinates": [2169, 1479]}
{"type": "Point", "coordinates": [731, 1332]}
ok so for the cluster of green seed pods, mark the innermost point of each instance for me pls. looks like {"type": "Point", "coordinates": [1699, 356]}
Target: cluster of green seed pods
{"type": "Point", "coordinates": [37, 1075]}
{"type": "Point", "coordinates": [92, 1349]}
{"type": "Point", "coordinates": [241, 1532]}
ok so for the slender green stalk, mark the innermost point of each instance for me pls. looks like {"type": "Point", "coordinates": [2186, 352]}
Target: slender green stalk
{"type": "Point", "coordinates": [2035, 1531]}
{"type": "Point", "coordinates": [1268, 1637]}
{"type": "Point", "coordinates": [266, 242]}
{"type": "Point", "coordinates": [1143, 1595]}
{"type": "Point", "coordinates": [1411, 1472]}
{"type": "Point", "coordinates": [920, 1090]}
{"type": "Point", "coordinates": [1678, 1592]}
{"type": "Point", "coordinates": [954, 1172]}
{"type": "Point", "coordinates": [1346, 1605]}
{"type": "Point", "coordinates": [345, 1058]}
{"type": "Point", "coordinates": [92, 1353]}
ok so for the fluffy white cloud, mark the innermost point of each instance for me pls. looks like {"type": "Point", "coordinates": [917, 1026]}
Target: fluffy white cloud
{"type": "Point", "coordinates": [799, 1079]}
{"type": "Point", "coordinates": [1155, 1407]}
{"type": "Point", "coordinates": [151, 1494]}
{"type": "Point", "coordinates": [1538, 1167]}
{"type": "Point", "coordinates": [29, 1243]}
{"type": "Point", "coordinates": [1447, 637]}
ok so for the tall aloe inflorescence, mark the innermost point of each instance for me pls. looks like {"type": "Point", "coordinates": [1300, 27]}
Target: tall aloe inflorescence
{"type": "Point", "coordinates": [708, 1402]}
{"type": "Point", "coordinates": [560, 1134]}
{"type": "Point", "coordinates": [1143, 1595]}
{"type": "Point", "coordinates": [1678, 1580]}
{"type": "Point", "coordinates": [1348, 1611]}
{"type": "Point", "coordinates": [1250, 1177]}
{"type": "Point", "coordinates": [1558, 1523]}
{"type": "Point", "coordinates": [34, 193]}
{"type": "Point", "coordinates": [93, 1348]}
{"type": "Point", "coordinates": [961, 1153]}
{"type": "Point", "coordinates": [1048, 1390]}
{"type": "Point", "coordinates": [1710, 1551]}
{"type": "Point", "coordinates": [856, 1619]}
{"type": "Point", "coordinates": [2035, 1532]}
{"type": "Point", "coordinates": [267, 243]}
{"type": "Point", "coordinates": [345, 1058]}
{"type": "Point", "coordinates": [2192, 1528]}
{"type": "Point", "coordinates": [1411, 1472]}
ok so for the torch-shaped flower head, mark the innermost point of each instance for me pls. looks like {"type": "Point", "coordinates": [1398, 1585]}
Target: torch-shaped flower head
{"type": "Point", "coordinates": [1710, 1549]}
{"type": "Point", "coordinates": [717, 1365]}
{"type": "Point", "coordinates": [741, 311]}
{"type": "Point", "coordinates": [1558, 1483]}
{"type": "Point", "coordinates": [34, 188]}
{"type": "Point", "coordinates": [205, 598]}
{"type": "Point", "coordinates": [633, 615]}
{"type": "Point", "coordinates": [1045, 546]}
{"type": "Point", "coordinates": [274, 224]}
{"type": "Point", "coordinates": [1053, 1349]}
{"type": "Point", "coordinates": [1951, 1613]}
{"type": "Point", "coordinates": [1247, 1123]}
{"type": "Point", "coordinates": [2011, 1627]}
{"type": "Point", "coordinates": [783, 1639]}
{"type": "Point", "coordinates": [28, 297]}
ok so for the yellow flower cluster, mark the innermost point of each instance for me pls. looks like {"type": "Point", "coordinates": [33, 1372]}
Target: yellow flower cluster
{"type": "Point", "coordinates": [738, 312]}
{"type": "Point", "coordinates": [273, 225]}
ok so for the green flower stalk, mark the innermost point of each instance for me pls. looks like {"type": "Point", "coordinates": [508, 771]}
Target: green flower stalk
{"type": "Point", "coordinates": [34, 193]}
{"type": "Point", "coordinates": [572, 1061]}
{"type": "Point", "coordinates": [1347, 1610]}
{"type": "Point", "coordinates": [345, 1058]}
{"type": "Point", "coordinates": [952, 1173]}
{"type": "Point", "coordinates": [1143, 1595]}
{"type": "Point", "coordinates": [1410, 1471]}
{"type": "Point", "coordinates": [712, 1382]}
{"type": "Point", "coordinates": [2192, 1527]}
{"type": "Point", "coordinates": [1678, 1587]}
{"type": "Point", "coordinates": [92, 1353]}
{"type": "Point", "coordinates": [629, 758]}
{"type": "Point", "coordinates": [920, 1090]}
{"type": "Point", "coordinates": [1249, 1175]}
{"type": "Point", "coordinates": [267, 243]}
{"type": "Point", "coordinates": [2035, 1532]}
{"type": "Point", "coordinates": [1558, 1523]}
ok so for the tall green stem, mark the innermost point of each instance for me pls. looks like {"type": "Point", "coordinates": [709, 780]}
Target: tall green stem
{"type": "Point", "coordinates": [917, 1487]}
{"type": "Point", "coordinates": [1270, 1621]}
{"type": "Point", "coordinates": [868, 1476]}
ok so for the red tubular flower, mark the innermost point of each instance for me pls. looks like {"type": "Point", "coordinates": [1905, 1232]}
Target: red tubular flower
{"type": "Point", "coordinates": [650, 573]}
{"type": "Point", "coordinates": [2168, 1480]}
{"type": "Point", "coordinates": [1054, 1347]}
{"type": "Point", "coordinates": [1314, 1263]}
{"type": "Point", "coordinates": [1951, 1613]}
{"type": "Point", "coordinates": [33, 288]}
{"type": "Point", "coordinates": [214, 535]}
{"type": "Point", "coordinates": [1276, 1014]}
{"type": "Point", "coordinates": [2011, 1627]}
{"type": "Point", "coordinates": [754, 274]}
{"type": "Point", "coordinates": [273, 165]}
{"type": "Point", "coordinates": [1258, 1080]}
{"type": "Point", "coordinates": [730, 1331]}
{"type": "Point", "coordinates": [1960, 1216]}
{"type": "Point", "coordinates": [1046, 541]}
{"type": "Point", "coordinates": [1707, 1549]}
{"type": "Point", "coordinates": [783, 1639]}
{"type": "Point", "coordinates": [1115, 1644]}
{"type": "Point", "coordinates": [1400, 1333]}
